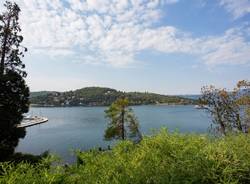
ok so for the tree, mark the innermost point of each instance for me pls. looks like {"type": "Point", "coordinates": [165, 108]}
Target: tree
{"type": "Point", "coordinates": [11, 49]}
{"type": "Point", "coordinates": [14, 98]}
{"type": "Point", "coordinates": [123, 123]}
{"type": "Point", "coordinates": [225, 108]}
{"type": "Point", "coordinates": [14, 94]}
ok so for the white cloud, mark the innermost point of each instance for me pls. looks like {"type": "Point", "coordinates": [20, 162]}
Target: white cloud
{"type": "Point", "coordinates": [98, 5]}
{"type": "Point", "coordinates": [106, 27]}
{"type": "Point", "coordinates": [114, 31]}
{"type": "Point", "coordinates": [237, 8]}
{"type": "Point", "coordinates": [232, 48]}
{"type": "Point", "coordinates": [168, 40]}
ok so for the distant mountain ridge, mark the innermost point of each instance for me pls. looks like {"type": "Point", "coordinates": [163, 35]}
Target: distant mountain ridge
{"type": "Point", "coordinates": [101, 96]}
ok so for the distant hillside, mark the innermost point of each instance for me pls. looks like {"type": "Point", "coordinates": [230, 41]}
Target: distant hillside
{"type": "Point", "coordinates": [98, 96]}
{"type": "Point", "coordinates": [39, 93]}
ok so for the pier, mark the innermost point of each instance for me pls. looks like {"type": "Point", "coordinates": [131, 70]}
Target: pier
{"type": "Point", "coordinates": [31, 121]}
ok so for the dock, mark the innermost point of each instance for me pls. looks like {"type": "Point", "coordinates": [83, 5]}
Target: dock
{"type": "Point", "coordinates": [31, 121]}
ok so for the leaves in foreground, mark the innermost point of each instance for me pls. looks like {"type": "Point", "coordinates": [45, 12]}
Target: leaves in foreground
{"type": "Point", "coordinates": [162, 158]}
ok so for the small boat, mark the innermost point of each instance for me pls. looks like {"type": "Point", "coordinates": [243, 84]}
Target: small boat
{"type": "Point", "coordinates": [31, 121]}
{"type": "Point", "coordinates": [201, 107]}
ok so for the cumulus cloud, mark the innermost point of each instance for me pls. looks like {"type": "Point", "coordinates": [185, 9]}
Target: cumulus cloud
{"type": "Point", "coordinates": [231, 48]}
{"type": "Point", "coordinates": [106, 28]}
{"type": "Point", "coordinates": [114, 31]}
{"type": "Point", "coordinates": [238, 8]}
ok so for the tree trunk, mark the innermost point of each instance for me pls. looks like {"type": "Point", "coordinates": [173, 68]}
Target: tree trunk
{"type": "Point", "coordinates": [223, 129]}
{"type": "Point", "coordinates": [221, 123]}
{"type": "Point", "coordinates": [139, 136]}
{"type": "Point", "coordinates": [239, 123]}
{"type": "Point", "coordinates": [123, 128]}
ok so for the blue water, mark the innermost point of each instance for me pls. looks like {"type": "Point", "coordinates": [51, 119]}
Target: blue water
{"type": "Point", "coordinates": [72, 128]}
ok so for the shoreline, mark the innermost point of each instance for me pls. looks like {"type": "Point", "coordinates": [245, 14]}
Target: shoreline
{"type": "Point", "coordinates": [161, 104]}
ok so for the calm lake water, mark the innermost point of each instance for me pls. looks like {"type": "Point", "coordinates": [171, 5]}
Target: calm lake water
{"type": "Point", "coordinates": [72, 128]}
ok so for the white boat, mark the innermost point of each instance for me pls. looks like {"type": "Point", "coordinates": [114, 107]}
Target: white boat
{"type": "Point", "coordinates": [31, 121]}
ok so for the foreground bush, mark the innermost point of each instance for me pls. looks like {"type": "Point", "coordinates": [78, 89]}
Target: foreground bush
{"type": "Point", "coordinates": [163, 158]}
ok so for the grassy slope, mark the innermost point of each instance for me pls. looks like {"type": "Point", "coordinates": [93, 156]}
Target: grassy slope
{"type": "Point", "coordinates": [163, 158]}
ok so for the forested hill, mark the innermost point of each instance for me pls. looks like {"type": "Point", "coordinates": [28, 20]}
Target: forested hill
{"type": "Point", "coordinates": [98, 96]}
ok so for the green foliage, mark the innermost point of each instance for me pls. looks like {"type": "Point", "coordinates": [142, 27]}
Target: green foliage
{"type": "Point", "coordinates": [123, 123]}
{"type": "Point", "coordinates": [162, 158]}
{"type": "Point", "coordinates": [28, 158]}
{"type": "Point", "coordinates": [14, 94]}
{"type": "Point", "coordinates": [14, 101]}
{"type": "Point", "coordinates": [10, 41]}
{"type": "Point", "coordinates": [27, 173]}
{"type": "Point", "coordinates": [97, 96]}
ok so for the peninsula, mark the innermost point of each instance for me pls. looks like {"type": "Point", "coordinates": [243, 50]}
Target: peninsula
{"type": "Point", "coordinates": [101, 96]}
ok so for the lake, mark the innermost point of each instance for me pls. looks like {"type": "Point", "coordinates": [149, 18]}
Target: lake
{"type": "Point", "coordinates": [71, 128]}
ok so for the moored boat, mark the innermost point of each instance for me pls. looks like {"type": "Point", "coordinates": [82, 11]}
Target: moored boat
{"type": "Point", "coordinates": [31, 121]}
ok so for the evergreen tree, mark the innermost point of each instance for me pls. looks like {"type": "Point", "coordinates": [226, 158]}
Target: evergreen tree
{"type": "Point", "coordinates": [14, 94]}
{"type": "Point", "coordinates": [123, 123]}
{"type": "Point", "coordinates": [11, 49]}
{"type": "Point", "coordinates": [14, 97]}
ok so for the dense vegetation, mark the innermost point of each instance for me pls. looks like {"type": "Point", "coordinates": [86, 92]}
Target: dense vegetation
{"type": "Point", "coordinates": [97, 96]}
{"type": "Point", "coordinates": [14, 93]}
{"type": "Point", "coordinates": [162, 158]}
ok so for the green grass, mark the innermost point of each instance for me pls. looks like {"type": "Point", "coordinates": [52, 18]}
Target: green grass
{"type": "Point", "coordinates": [162, 158]}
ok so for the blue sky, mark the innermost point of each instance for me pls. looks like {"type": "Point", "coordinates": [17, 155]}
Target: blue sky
{"type": "Point", "coordinates": [163, 46]}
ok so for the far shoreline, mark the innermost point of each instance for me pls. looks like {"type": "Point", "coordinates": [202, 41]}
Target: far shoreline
{"type": "Point", "coordinates": [56, 106]}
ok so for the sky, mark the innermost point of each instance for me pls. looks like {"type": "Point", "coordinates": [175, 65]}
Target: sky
{"type": "Point", "coordinates": [163, 46]}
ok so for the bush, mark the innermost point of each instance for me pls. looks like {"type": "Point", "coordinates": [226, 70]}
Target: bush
{"type": "Point", "coordinates": [162, 158]}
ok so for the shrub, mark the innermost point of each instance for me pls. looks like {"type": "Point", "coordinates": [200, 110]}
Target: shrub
{"type": "Point", "coordinates": [162, 158]}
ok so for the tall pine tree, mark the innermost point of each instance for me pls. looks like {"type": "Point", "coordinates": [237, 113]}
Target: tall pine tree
{"type": "Point", "coordinates": [123, 123]}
